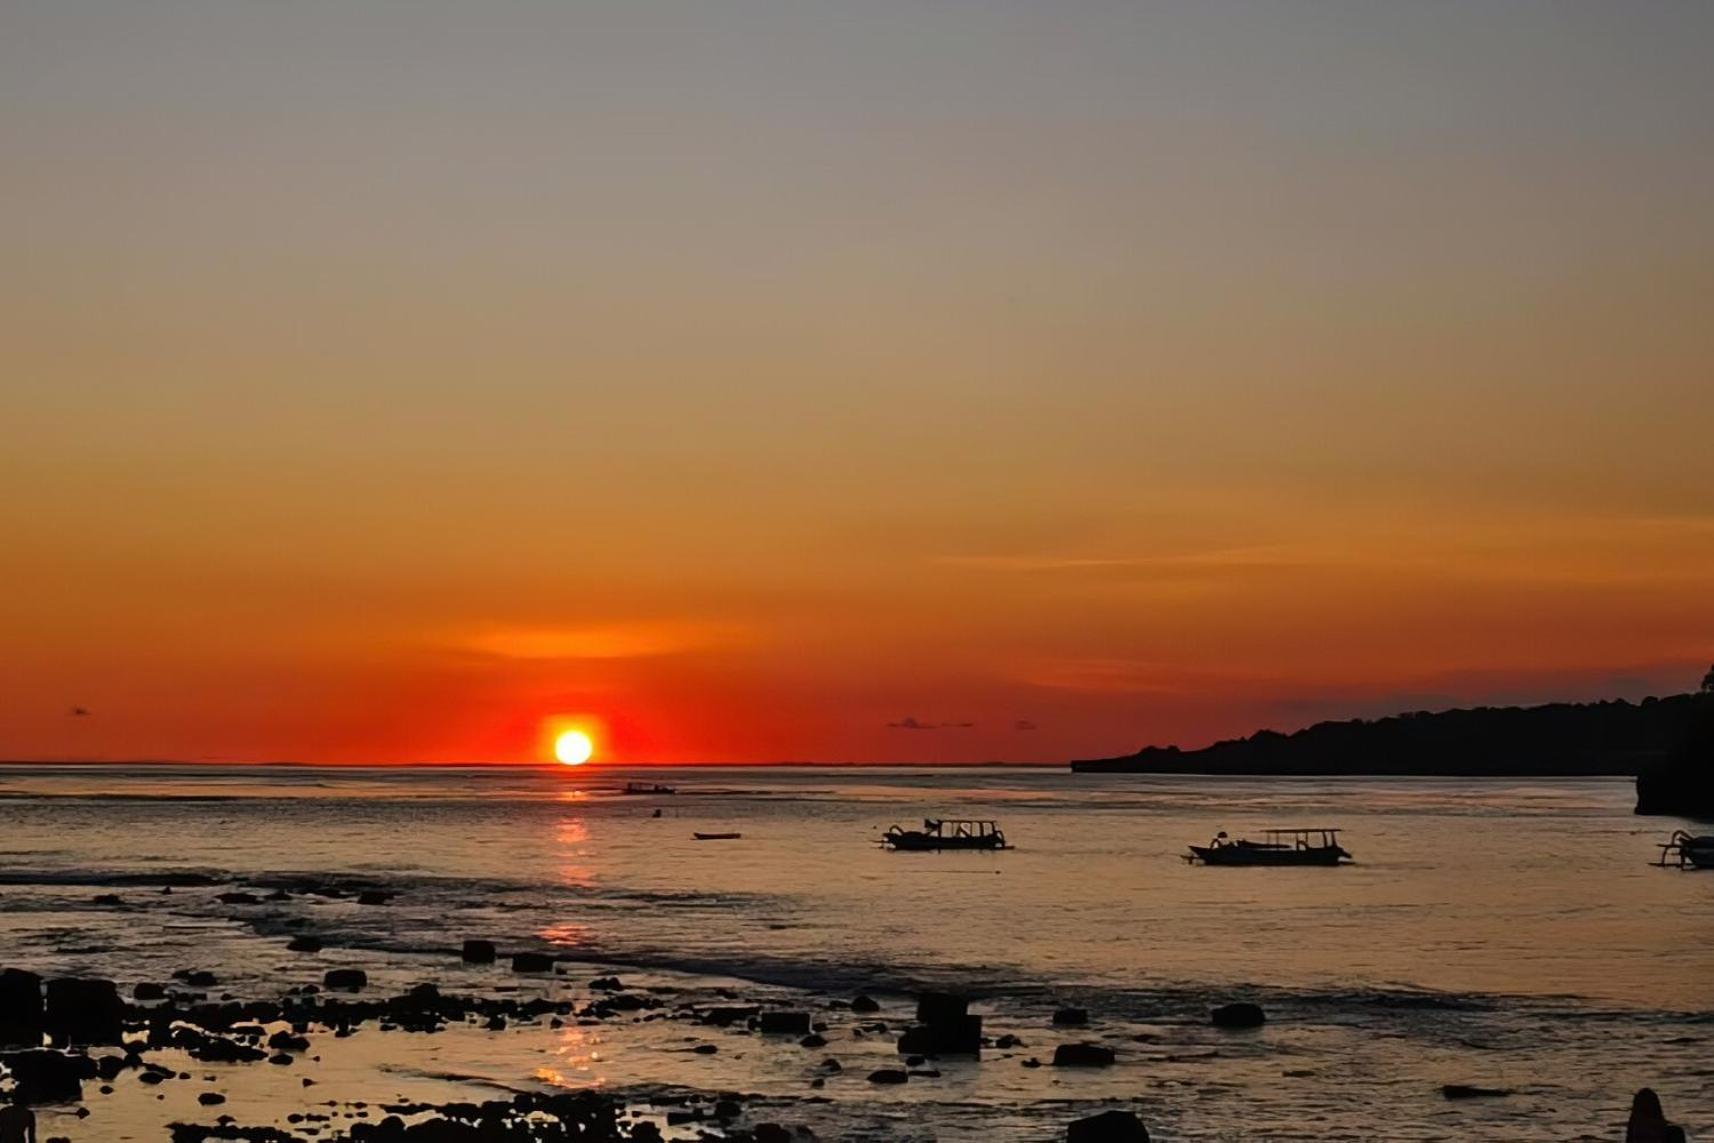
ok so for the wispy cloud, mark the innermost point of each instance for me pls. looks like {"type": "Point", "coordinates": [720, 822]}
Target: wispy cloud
{"type": "Point", "coordinates": [636, 640]}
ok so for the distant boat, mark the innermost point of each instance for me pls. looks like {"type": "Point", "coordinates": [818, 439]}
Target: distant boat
{"type": "Point", "coordinates": [1278, 847]}
{"type": "Point", "coordinates": [647, 788]}
{"type": "Point", "coordinates": [1685, 851]}
{"type": "Point", "coordinates": [717, 836]}
{"type": "Point", "coordinates": [946, 833]}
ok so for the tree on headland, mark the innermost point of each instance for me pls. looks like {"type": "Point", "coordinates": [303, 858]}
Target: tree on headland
{"type": "Point", "coordinates": [1708, 682]}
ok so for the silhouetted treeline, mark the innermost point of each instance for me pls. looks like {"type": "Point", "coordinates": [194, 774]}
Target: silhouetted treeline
{"type": "Point", "coordinates": [1559, 739]}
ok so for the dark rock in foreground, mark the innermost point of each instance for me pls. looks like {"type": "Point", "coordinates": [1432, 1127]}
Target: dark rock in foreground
{"type": "Point", "coordinates": [1468, 1091]}
{"type": "Point", "coordinates": [1082, 1056]}
{"type": "Point", "coordinates": [84, 1011]}
{"type": "Point", "coordinates": [532, 962]}
{"type": "Point", "coordinates": [479, 952]}
{"type": "Point", "coordinates": [43, 1076]}
{"type": "Point", "coordinates": [958, 1037]}
{"type": "Point", "coordinates": [1239, 1015]}
{"type": "Point", "coordinates": [1071, 1018]}
{"type": "Point", "coordinates": [1108, 1127]}
{"type": "Point", "coordinates": [784, 1024]}
{"type": "Point", "coordinates": [889, 1076]}
{"type": "Point", "coordinates": [349, 979]}
{"type": "Point", "coordinates": [20, 1008]}
{"type": "Point", "coordinates": [941, 1008]}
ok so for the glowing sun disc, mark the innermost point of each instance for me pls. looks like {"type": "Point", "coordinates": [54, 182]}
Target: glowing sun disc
{"type": "Point", "coordinates": [573, 747]}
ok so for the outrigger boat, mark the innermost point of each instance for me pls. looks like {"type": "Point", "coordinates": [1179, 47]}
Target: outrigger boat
{"type": "Point", "coordinates": [647, 788]}
{"type": "Point", "coordinates": [1278, 847]}
{"type": "Point", "coordinates": [1686, 851]}
{"type": "Point", "coordinates": [946, 833]}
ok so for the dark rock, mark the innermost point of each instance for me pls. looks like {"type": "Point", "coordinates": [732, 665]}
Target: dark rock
{"type": "Point", "coordinates": [813, 1041]}
{"type": "Point", "coordinates": [287, 1042]}
{"type": "Point", "coordinates": [705, 1049]}
{"type": "Point", "coordinates": [373, 897]}
{"type": "Point", "coordinates": [282, 1058]}
{"type": "Point", "coordinates": [42, 1076]}
{"type": "Point", "coordinates": [954, 1037]}
{"type": "Point", "coordinates": [1082, 1056]}
{"type": "Point", "coordinates": [304, 944]}
{"type": "Point", "coordinates": [532, 962]}
{"type": "Point", "coordinates": [82, 1011]}
{"type": "Point", "coordinates": [770, 1133]}
{"type": "Point", "coordinates": [1241, 1015]}
{"type": "Point", "coordinates": [889, 1075]}
{"type": "Point", "coordinates": [479, 952]}
{"type": "Point", "coordinates": [147, 990]}
{"type": "Point", "coordinates": [785, 1024]}
{"type": "Point", "coordinates": [725, 1016]}
{"type": "Point", "coordinates": [1071, 1018]}
{"type": "Point", "coordinates": [941, 1008]}
{"type": "Point", "coordinates": [20, 1008]}
{"type": "Point", "coordinates": [199, 978]}
{"type": "Point", "coordinates": [211, 1099]}
{"type": "Point", "coordinates": [1468, 1091]}
{"type": "Point", "coordinates": [348, 979]}
{"type": "Point", "coordinates": [238, 898]}
{"type": "Point", "coordinates": [605, 984]}
{"type": "Point", "coordinates": [862, 1003]}
{"type": "Point", "coordinates": [1108, 1127]}
{"type": "Point", "coordinates": [107, 899]}
{"type": "Point", "coordinates": [1008, 1041]}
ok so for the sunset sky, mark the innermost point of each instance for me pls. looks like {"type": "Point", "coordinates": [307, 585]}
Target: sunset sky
{"type": "Point", "coordinates": [768, 381]}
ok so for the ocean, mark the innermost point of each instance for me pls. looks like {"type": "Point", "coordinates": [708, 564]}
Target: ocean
{"type": "Point", "coordinates": [1505, 934]}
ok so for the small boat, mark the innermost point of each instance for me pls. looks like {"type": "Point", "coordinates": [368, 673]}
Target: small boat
{"type": "Point", "coordinates": [717, 836]}
{"type": "Point", "coordinates": [946, 833]}
{"type": "Point", "coordinates": [1686, 851]}
{"type": "Point", "coordinates": [647, 788]}
{"type": "Point", "coordinates": [1278, 847]}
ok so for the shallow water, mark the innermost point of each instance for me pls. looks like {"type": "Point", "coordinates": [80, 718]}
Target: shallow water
{"type": "Point", "coordinates": [1502, 933]}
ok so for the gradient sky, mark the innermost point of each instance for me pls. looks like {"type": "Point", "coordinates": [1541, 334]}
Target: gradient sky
{"type": "Point", "coordinates": [768, 380]}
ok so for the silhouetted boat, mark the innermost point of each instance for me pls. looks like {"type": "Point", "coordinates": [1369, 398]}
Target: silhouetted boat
{"type": "Point", "coordinates": [1278, 847]}
{"type": "Point", "coordinates": [717, 836]}
{"type": "Point", "coordinates": [647, 788]}
{"type": "Point", "coordinates": [1686, 851]}
{"type": "Point", "coordinates": [946, 833]}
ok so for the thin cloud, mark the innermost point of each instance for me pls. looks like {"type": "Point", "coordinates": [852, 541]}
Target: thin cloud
{"type": "Point", "coordinates": [640, 640]}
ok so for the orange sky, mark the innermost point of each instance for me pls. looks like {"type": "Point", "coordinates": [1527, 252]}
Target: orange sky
{"type": "Point", "coordinates": [383, 380]}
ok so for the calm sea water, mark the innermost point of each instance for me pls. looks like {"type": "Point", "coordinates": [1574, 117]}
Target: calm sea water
{"type": "Point", "coordinates": [1500, 933]}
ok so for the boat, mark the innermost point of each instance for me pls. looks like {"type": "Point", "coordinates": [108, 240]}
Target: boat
{"type": "Point", "coordinates": [1314, 846]}
{"type": "Point", "coordinates": [647, 788]}
{"type": "Point", "coordinates": [1687, 851]}
{"type": "Point", "coordinates": [717, 836]}
{"type": "Point", "coordinates": [946, 833]}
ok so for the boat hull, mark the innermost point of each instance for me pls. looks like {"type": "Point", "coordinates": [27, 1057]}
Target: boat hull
{"type": "Point", "coordinates": [1258, 855]}
{"type": "Point", "coordinates": [922, 843]}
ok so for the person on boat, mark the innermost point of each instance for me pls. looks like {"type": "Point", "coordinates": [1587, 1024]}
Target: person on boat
{"type": "Point", "coordinates": [17, 1124]}
{"type": "Point", "coordinates": [1648, 1123]}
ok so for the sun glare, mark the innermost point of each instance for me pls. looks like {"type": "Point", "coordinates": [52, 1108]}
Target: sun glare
{"type": "Point", "coordinates": [573, 747]}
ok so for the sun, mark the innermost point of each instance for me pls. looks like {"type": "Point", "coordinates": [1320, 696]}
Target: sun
{"type": "Point", "coordinates": [573, 747]}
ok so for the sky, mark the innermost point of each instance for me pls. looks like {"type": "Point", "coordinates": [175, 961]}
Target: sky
{"type": "Point", "coordinates": [385, 380]}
